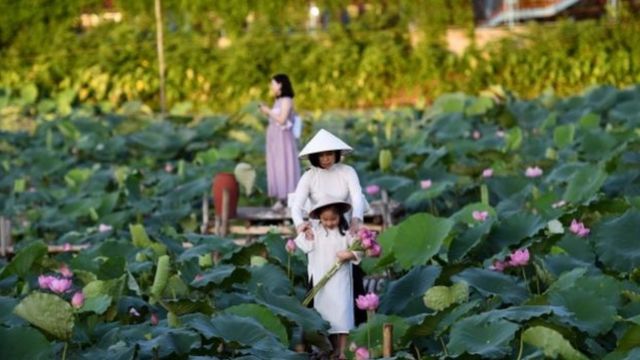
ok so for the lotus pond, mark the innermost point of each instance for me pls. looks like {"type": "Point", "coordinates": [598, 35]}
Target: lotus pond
{"type": "Point", "coordinates": [519, 239]}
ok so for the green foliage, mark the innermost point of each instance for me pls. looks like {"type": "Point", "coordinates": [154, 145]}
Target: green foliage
{"type": "Point", "coordinates": [551, 342]}
{"type": "Point", "coordinates": [48, 312]}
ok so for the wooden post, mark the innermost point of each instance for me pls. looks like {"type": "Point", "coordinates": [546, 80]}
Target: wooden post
{"type": "Point", "coordinates": [387, 221]}
{"type": "Point", "coordinates": [3, 240]}
{"type": "Point", "coordinates": [225, 213]}
{"type": "Point", "coordinates": [160, 49]}
{"type": "Point", "coordinates": [205, 214]}
{"type": "Point", "coordinates": [387, 340]}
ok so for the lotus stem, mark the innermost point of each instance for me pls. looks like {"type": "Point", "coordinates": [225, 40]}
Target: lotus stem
{"type": "Point", "coordinates": [520, 351]}
{"type": "Point", "coordinates": [313, 292]}
{"type": "Point", "coordinates": [64, 351]}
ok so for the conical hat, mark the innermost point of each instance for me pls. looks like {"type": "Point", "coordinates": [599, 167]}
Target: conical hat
{"type": "Point", "coordinates": [326, 200]}
{"type": "Point", "coordinates": [324, 141]}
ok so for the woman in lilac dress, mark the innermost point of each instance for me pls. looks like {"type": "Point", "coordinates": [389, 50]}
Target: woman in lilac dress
{"type": "Point", "coordinates": [283, 167]}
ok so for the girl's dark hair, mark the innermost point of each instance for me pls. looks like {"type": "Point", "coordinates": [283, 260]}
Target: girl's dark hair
{"type": "Point", "coordinates": [343, 225]}
{"type": "Point", "coordinates": [286, 89]}
{"type": "Point", "coordinates": [315, 158]}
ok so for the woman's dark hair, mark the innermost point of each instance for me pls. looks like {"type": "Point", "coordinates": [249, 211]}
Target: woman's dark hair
{"type": "Point", "coordinates": [343, 225]}
{"type": "Point", "coordinates": [315, 158]}
{"type": "Point", "coordinates": [286, 89]}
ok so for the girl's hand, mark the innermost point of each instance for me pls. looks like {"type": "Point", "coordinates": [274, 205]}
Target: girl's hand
{"type": "Point", "coordinates": [305, 228]}
{"type": "Point", "coordinates": [356, 224]}
{"type": "Point", "coordinates": [344, 255]}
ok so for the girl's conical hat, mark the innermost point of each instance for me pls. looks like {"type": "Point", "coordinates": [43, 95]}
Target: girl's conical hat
{"type": "Point", "coordinates": [324, 141]}
{"type": "Point", "coordinates": [326, 200]}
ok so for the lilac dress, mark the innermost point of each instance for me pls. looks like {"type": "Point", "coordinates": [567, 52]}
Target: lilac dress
{"type": "Point", "coordinates": [283, 167]}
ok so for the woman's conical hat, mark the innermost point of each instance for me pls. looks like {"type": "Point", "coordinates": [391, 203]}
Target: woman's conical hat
{"type": "Point", "coordinates": [324, 141]}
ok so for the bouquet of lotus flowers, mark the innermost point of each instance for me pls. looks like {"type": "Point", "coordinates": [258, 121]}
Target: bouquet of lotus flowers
{"type": "Point", "coordinates": [366, 242]}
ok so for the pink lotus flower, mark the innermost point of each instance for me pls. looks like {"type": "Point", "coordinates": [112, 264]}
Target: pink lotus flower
{"type": "Point", "coordinates": [558, 204]}
{"type": "Point", "coordinates": [487, 173]}
{"type": "Point", "coordinates": [519, 257]}
{"type": "Point", "coordinates": [533, 172]}
{"type": "Point", "coordinates": [290, 246]}
{"type": "Point", "coordinates": [198, 277]}
{"type": "Point", "coordinates": [372, 189]}
{"type": "Point", "coordinates": [500, 133]}
{"type": "Point", "coordinates": [133, 312]}
{"type": "Point", "coordinates": [104, 228]}
{"type": "Point", "coordinates": [499, 265]}
{"type": "Point", "coordinates": [476, 135]}
{"type": "Point", "coordinates": [368, 302]}
{"type": "Point", "coordinates": [480, 215]}
{"type": "Point", "coordinates": [367, 238]}
{"type": "Point", "coordinates": [425, 184]}
{"type": "Point", "coordinates": [77, 300]}
{"type": "Point", "coordinates": [578, 228]}
{"type": "Point", "coordinates": [65, 271]}
{"type": "Point", "coordinates": [168, 167]}
{"type": "Point", "coordinates": [154, 319]}
{"type": "Point", "coordinates": [44, 281]}
{"type": "Point", "coordinates": [66, 247]}
{"type": "Point", "coordinates": [362, 353]}
{"type": "Point", "coordinates": [60, 286]}
{"type": "Point", "coordinates": [374, 251]}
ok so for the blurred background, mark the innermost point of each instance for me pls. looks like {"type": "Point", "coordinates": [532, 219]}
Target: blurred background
{"type": "Point", "coordinates": [219, 55]}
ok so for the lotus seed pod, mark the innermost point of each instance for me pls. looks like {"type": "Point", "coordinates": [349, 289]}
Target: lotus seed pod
{"type": "Point", "coordinates": [205, 260]}
{"type": "Point", "coordinates": [160, 280]}
{"type": "Point", "coordinates": [385, 159]}
{"type": "Point", "coordinates": [172, 319]}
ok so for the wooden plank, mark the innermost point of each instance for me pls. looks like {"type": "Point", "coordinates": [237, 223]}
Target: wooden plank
{"type": "Point", "coordinates": [377, 209]}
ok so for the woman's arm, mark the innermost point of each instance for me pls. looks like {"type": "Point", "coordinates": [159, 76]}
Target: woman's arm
{"type": "Point", "coordinates": [300, 196]}
{"type": "Point", "coordinates": [355, 193]}
{"type": "Point", "coordinates": [281, 117]}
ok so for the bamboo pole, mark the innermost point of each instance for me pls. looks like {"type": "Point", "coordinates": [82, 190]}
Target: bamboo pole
{"type": "Point", "coordinates": [225, 213]}
{"type": "Point", "coordinates": [387, 340]}
{"type": "Point", "coordinates": [205, 214]}
{"type": "Point", "coordinates": [160, 50]}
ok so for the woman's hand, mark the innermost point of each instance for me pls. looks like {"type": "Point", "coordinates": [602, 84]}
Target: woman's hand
{"type": "Point", "coordinates": [305, 228]}
{"type": "Point", "coordinates": [344, 255]}
{"type": "Point", "coordinates": [356, 224]}
{"type": "Point", "coordinates": [264, 109]}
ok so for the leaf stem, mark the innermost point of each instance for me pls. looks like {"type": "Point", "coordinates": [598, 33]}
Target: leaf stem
{"type": "Point", "coordinates": [64, 351]}
{"type": "Point", "coordinates": [520, 351]}
{"type": "Point", "coordinates": [444, 347]}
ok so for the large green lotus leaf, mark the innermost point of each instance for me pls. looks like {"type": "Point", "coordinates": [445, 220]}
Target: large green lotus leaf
{"type": "Point", "coordinates": [97, 304]}
{"type": "Point", "coordinates": [630, 339]}
{"type": "Point", "coordinates": [23, 262]}
{"type": "Point", "coordinates": [405, 291]}
{"type": "Point", "coordinates": [271, 277]}
{"type": "Point", "coordinates": [489, 282]}
{"type": "Point", "coordinates": [441, 297]}
{"type": "Point", "coordinates": [616, 241]}
{"type": "Point", "coordinates": [419, 197]}
{"type": "Point", "coordinates": [592, 303]}
{"type": "Point", "coordinates": [563, 135]}
{"type": "Point", "coordinates": [551, 342]}
{"type": "Point", "coordinates": [218, 274]}
{"type": "Point", "coordinates": [597, 145]}
{"type": "Point", "coordinates": [116, 351]}
{"type": "Point", "coordinates": [419, 238]}
{"type": "Point", "coordinates": [48, 312]}
{"type": "Point", "coordinates": [386, 240]}
{"type": "Point", "coordinates": [525, 312]}
{"type": "Point", "coordinates": [585, 184]}
{"type": "Point", "coordinates": [24, 343]}
{"type": "Point", "coordinates": [245, 331]}
{"type": "Point", "coordinates": [466, 241]}
{"type": "Point", "coordinates": [479, 106]}
{"type": "Point", "coordinates": [475, 335]}
{"type": "Point", "coordinates": [291, 308]}
{"type": "Point", "coordinates": [392, 183]}
{"type": "Point", "coordinates": [466, 213]}
{"type": "Point", "coordinates": [627, 112]}
{"type": "Point", "coordinates": [264, 316]}
{"type": "Point", "coordinates": [564, 172]}
{"type": "Point", "coordinates": [623, 355]}
{"type": "Point", "coordinates": [373, 328]}
{"type": "Point", "coordinates": [512, 230]}
{"type": "Point", "coordinates": [167, 342]}
{"type": "Point", "coordinates": [506, 187]}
